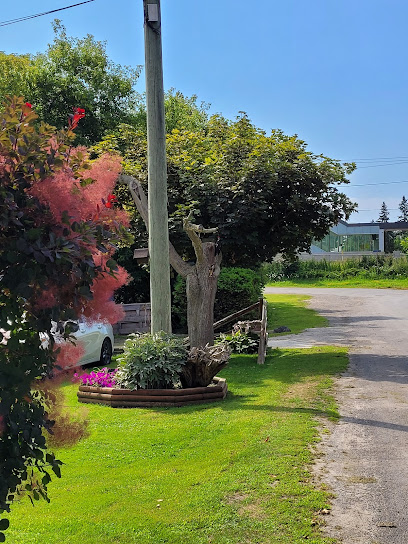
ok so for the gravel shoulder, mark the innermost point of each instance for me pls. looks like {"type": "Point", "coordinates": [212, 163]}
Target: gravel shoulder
{"type": "Point", "coordinates": [365, 456]}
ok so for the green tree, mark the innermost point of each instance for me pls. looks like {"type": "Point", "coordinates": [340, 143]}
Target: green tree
{"type": "Point", "coordinates": [264, 194]}
{"type": "Point", "coordinates": [15, 73]}
{"type": "Point", "coordinates": [384, 215]}
{"type": "Point", "coordinates": [76, 72]}
{"type": "Point", "coordinates": [403, 207]}
{"type": "Point", "coordinates": [183, 112]}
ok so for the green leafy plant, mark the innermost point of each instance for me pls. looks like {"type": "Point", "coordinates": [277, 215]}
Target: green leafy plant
{"type": "Point", "coordinates": [151, 361]}
{"type": "Point", "coordinates": [237, 288]}
{"type": "Point", "coordinates": [240, 342]}
{"type": "Point", "coordinates": [369, 266]}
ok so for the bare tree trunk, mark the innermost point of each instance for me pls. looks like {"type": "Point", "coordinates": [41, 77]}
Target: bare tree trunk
{"type": "Point", "coordinates": [203, 364]}
{"type": "Point", "coordinates": [201, 277]}
{"type": "Point", "coordinates": [201, 289]}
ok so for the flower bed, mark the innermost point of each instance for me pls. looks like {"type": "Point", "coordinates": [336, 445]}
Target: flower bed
{"type": "Point", "coordinates": [149, 398]}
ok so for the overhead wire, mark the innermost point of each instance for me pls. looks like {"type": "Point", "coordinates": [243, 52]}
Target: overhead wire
{"type": "Point", "coordinates": [383, 164]}
{"type": "Point", "coordinates": [390, 160]}
{"type": "Point", "coordinates": [378, 183]}
{"type": "Point", "coordinates": [376, 162]}
{"type": "Point", "coordinates": [377, 159]}
{"type": "Point", "coordinates": [27, 17]}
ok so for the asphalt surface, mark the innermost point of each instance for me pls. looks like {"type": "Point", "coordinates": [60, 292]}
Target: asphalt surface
{"type": "Point", "coordinates": [365, 456]}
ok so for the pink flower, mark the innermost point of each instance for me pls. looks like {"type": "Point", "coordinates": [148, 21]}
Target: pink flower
{"type": "Point", "coordinates": [102, 378]}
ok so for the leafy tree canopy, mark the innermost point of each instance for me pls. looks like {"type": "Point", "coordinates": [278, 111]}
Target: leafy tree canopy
{"type": "Point", "coordinates": [15, 72]}
{"type": "Point", "coordinates": [267, 194]}
{"type": "Point", "coordinates": [74, 72]}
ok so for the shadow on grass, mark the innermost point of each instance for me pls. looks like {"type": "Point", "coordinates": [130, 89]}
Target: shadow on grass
{"type": "Point", "coordinates": [285, 366]}
{"type": "Point", "coordinates": [249, 382]}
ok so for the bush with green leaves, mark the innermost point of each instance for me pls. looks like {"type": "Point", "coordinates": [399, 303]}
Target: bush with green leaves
{"type": "Point", "coordinates": [240, 342]}
{"type": "Point", "coordinates": [138, 288]}
{"type": "Point", "coordinates": [237, 288]}
{"type": "Point", "coordinates": [369, 266]}
{"type": "Point", "coordinates": [151, 361]}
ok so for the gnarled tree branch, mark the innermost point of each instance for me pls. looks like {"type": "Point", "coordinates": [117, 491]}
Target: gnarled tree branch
{"type": "Point", "coordinates": [140, 199]}
{"type": "Point", "coordinates": [193, 232]}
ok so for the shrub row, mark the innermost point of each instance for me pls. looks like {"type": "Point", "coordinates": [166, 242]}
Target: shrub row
{"type": "Point", "coordinates": [237, 288]}
{"type": "Point", "coordinates": [370, 267]}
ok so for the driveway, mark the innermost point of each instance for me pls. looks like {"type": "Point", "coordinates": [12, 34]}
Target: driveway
{"type": "Point", "coordinates": [365, 459]}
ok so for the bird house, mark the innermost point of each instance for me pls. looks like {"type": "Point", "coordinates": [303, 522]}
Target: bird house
{"type": "Point", "coordinates": [141, 255]}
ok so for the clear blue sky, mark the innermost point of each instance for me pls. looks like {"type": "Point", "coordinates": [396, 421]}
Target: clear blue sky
{"type": "Point", "coordinates": [332, 71]}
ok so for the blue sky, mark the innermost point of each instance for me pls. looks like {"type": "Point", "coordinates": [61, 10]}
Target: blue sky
{"type": "Point", "coordinates": [332, 71]}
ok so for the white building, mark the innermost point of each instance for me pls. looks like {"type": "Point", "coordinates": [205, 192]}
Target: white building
{"type": "Point", "coordinates": [356, 238]}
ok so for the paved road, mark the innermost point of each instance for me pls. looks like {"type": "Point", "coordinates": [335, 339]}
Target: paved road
{"type": "Point", "coordinates": [365, 458]}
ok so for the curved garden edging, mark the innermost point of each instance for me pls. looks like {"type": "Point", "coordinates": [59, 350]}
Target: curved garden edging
{"type": "Point", "coordinates": [149, 398]}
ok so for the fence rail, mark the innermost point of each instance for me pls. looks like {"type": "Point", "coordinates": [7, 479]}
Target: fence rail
{"type": "Point", "coordinates": [137, 318]}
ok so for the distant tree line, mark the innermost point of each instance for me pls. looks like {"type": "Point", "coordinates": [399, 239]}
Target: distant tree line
{"type": "Point", "coordinates": [384, 216]}
{"type": "Point", "coordinates": [395, 240]}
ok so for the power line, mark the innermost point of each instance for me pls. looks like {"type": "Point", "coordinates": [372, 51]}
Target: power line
{"type": "Point", "coordinates": [379, 183]}
{"type": "Point", "coordinates": [384, 164]}
{"type": "Point", "coordinates": [372, 159]}
{"type": "Point", "coordinates": [27, 17]}
{"type": "Point", "coordinates": [376, 162]}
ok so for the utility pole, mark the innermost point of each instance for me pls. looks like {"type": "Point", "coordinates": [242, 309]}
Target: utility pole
{"type": "Point", "coordinates": [160, 296]}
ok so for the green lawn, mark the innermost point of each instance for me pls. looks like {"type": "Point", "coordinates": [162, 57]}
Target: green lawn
{"type": "Point", "coordinates": [234, 472]}
{"type": "Point", "coordinates": [398, 283]}
{"type": "Point", "coordinates": [292, 311]}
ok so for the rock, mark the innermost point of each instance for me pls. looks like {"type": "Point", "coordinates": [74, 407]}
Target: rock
{"type": "Point", "coordinates": [282, 329]}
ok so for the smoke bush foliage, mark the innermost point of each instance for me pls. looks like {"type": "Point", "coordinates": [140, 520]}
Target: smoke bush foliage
{"type": "Point", "coordinates": [57, 238]}
{"type": "Point", "coordinates": [151, 361]}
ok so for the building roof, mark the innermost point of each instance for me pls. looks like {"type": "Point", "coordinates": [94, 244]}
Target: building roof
{"type": "Point", "coordinates": [396, 225]}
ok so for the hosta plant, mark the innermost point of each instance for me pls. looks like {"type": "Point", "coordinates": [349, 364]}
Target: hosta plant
{"type": "Point", "coordinates": [151, 361]}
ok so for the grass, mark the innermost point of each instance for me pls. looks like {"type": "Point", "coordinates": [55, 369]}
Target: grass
{"type": "Point", "coordinates": [292, 312]}
{"type": "Point", "coordinates": [234, 472]}
{"type": "Point", "coordinates": [397, 283]}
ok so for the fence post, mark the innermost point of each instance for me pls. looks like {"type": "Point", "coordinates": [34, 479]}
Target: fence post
{"type": "Point", "coordinates": [263, 335]}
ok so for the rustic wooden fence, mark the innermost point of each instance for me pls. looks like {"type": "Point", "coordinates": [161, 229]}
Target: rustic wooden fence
{"type": "Point", "coordinates": [259, 326]}
{"type": "Point", "coordinates": [137, 318]}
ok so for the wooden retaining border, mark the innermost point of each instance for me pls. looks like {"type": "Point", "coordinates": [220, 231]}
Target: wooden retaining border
{"type": "Point", "coordinates": [150, 398]}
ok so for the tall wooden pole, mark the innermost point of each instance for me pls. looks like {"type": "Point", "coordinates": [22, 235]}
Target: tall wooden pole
{"type": "Point", "coordinates": [160, 297]}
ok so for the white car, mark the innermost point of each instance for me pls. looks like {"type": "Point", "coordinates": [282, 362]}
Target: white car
{"type": "Point", "coordinates": [96, 339]}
